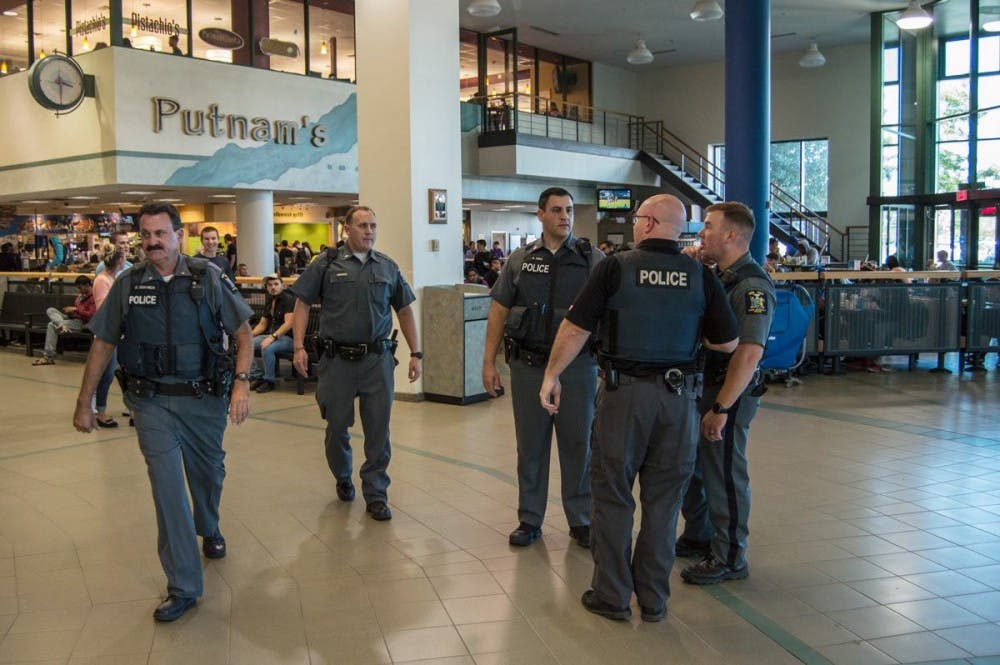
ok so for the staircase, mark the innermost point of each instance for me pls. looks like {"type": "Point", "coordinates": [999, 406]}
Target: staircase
{"type": "Point", "coordinates": [695, 177]}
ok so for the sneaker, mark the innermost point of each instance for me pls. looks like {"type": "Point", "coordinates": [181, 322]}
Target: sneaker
{"type": "Point", "coordinates": [688, 548]}
{"type": "Point", "coordinates": [44, 360]}
{"type": "Point", "coordinates": [712, 571]}
{"type": "Point", "coordinates": [265, 386]}
{"type": "Point", "coordinates": [379, 511]}
{"type": "Point", "coordinates": [652, 615]}
{"type": "Point", "coordinates": [581, 534]}
{"type": "Point", "coordinates": [524, 534]}
{"type": "Point", "coordinates": [213, 547]}
{"type": "Point", "coordinates": [594, 604]}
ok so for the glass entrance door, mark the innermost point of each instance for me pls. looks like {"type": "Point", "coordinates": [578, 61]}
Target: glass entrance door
{"type": "Point", "coordinates": [986, 239]}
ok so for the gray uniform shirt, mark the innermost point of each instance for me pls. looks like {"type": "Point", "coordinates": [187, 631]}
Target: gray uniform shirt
{"type": "Point", "coordinates": [356, 296]}
{"type": "Point", "coordinates": [753, 302]}
{"type": "Point", "coordinates": [219, 292]}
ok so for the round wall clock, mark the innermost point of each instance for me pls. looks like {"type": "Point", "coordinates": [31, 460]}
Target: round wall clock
{"type": "Point", "coordinates": [56, 82]}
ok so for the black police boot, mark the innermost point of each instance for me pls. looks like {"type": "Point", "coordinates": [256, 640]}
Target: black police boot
{"type": "Point", "coordinates": [213, 547]}
{"type": "Point", "coordinates": [524, 534]}
{"type": "Point", "coordinates": [581, 534]}
{"type": "Point", "coordinates": [345, 490]}
{"type": "Point", "coordinates": [173, 607]}
{"type": "Point", "coordinates": [601, 608]}
{"type": "Point", "coordinates": [379, 511]}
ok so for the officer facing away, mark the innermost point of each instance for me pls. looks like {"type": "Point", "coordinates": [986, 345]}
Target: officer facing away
{"type": "Point", "coordinates": [651, 307]}
{"type": "Point", "coordinates": [358, 288]}
{"type": "Point", "coordinates": [717, 503]}
{"type": "Point", "coordinates": [168, 316]}
{"type": "Point", "coordinates": [530, 299]}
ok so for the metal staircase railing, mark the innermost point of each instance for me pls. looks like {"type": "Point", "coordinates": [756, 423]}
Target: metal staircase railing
{"type": "Point", "coordinates": [788, 213]}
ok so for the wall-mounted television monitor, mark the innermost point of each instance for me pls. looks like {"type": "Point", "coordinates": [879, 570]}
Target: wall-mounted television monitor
{"type": "Point", "coordinates": [614, 199]}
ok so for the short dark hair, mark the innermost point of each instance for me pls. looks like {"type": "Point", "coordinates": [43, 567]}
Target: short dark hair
{"type": "Point", "coordinates": [167, 209]}
{"type": "Point", "coordinates": [353, 210]}
{"type": "Point", "coordinates": [83, 280]}
{"type": "Point", "coordinates": [543, 200]}
{"type": "Point", "coordinates": [271, 278]}
{"type": "Point", "coordinates": [737, 214]}
{"type": "Point", "coordinates": [208, 229]}
{"type": "Point", "coordinates": [481, 242]}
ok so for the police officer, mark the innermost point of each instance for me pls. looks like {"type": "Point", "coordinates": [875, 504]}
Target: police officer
{"type": "Point", "coordinates": [530, 299]}
{"type": "Point", "coordinates": [717, 503]}
{"type": "Point", "coordinates": [651, 307]}
{"type": "Point", "coordinates": [168, 316]}
{"type": "Point", "coordinates": [358, 288]}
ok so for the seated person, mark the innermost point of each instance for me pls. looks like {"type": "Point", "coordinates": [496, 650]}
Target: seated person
{"type": "Point", "coordinates": [71, 319]}
{"type": "Point", "coordinates": [810, 252]}
{"type": "Point", "coordinates": [771, 262]}
{"type": "Point", "coordinates": [554, 110]}
{"type": "Point", "coordinates": [943, 262]}
{"type": "Point", "coordinates": [272, 334]}
{"type": "Point", "coordinates": [607, 247]}
{"type": "Point", "coordinates": [472, 277]}
{"type": "Point", "coordinates": [494, 273]}
{"type": "Point", "coordinates": [242, 270]}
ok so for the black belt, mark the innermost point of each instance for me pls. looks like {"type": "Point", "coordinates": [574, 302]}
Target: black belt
{"type": "Point", "coordinates": [356, 350]}
{"type": "Point", "coordinates": [674, 379]}
{"type": "Point", "coordinates": [143, 387]}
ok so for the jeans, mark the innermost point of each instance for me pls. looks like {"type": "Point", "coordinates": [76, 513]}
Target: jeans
{"type": "Point", "coordinates": [268, 356]}
{"type": "Point", "coordinates": [58, 320]}
{"type": "Point", "coordinates": [105, 383]}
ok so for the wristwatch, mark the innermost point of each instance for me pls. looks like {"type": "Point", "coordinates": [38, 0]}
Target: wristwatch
{"type": "Point", "coordinates": [718, 408]}
{"type": "Point", "coordinates": [241, 376]}
{"type": "Point", "coordinates": [419, 355]}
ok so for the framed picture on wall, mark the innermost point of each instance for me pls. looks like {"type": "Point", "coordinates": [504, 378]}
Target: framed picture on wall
{"type": "Point", "coordinates": [437, 206]}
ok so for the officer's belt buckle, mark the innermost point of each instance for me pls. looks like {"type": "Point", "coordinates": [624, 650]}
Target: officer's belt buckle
{"type": "Point", "coordinates": [196, 389]}
{"type": "Point", "coordinates": [352, 351]}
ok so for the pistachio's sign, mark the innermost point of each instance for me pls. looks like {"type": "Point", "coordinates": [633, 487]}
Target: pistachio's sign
{"type": "Point", "coordinates": [91, 25]}
{"type": "Point", "coordinates": [168, 113]}
{"type": "Point", "coordinates": [163, 26]}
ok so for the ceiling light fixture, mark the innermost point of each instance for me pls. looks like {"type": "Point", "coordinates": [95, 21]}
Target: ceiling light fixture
{"type": "Point", "coordinates": [812, 57]}
{"type": "Point", "coordinates": [914, 17]}
{"type": "Point", "coordinates": [483, 8]}
{"type": "Point", "coordinates": [640, 55]}
{"type": "Point", "coordinates": [706, 10]}
{"type": "Point", "coordinates": [323, 49]}
{"type": "Point", "coordinates": [3, 67]}
{"type": "Point", "coordinates": [86, 43]}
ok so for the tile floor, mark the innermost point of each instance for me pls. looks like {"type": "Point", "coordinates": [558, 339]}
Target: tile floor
{"type": "Point", "coordinates": [875, 539]}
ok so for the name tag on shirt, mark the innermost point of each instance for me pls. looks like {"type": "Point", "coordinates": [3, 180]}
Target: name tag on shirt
{"type": "Point", "coordinates": [674, 279]}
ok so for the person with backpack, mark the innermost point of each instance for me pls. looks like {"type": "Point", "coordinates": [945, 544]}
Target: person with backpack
{"type": "Point", "coordinates": [716, 506]}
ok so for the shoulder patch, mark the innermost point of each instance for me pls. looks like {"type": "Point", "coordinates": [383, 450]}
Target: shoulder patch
{"type": "Point", "coordinates": [228, 284]}
{"type": "Point", "coordinates": [756, 302]}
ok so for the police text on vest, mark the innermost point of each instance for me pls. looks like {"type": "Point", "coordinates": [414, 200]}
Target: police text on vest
{"type": "Point", "coordinates": [669, 278]}
{"type": "Point", "coordinates": [535, 267]}
{"type": "Point", "coordinates": [142, 300]}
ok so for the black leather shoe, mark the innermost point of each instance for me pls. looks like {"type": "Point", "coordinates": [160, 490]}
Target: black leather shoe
{"type": "Point", "coordinates": [265, 387]}
{"type": "Point", "coordinates": [213, 547]}
{"type": "Point", "coordinates": [173, 607]}
{"type": "Point", "coordinates": [712, 571]}
{"type": "Point", "coordinates": [652, 615]}
{"type": "Point", "coordinates": [581, 534]}
{"type": "Point", "coordinates": [686, 548]}
{"type": "Point", "coordinates": [345, 490]}
{"type": "Point", "coordinates": [255, 383]}
{"type": "Point", "coordinates": [524, 534]}
{"type": "Point", "coordinates": [606, 610]}
{"type": "Point", "coordinates": [379, 511]}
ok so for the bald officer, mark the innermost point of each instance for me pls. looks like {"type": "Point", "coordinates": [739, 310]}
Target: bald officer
{"type": "Point", "coordinates": [652, 308]}
{"type": "Point", "coordinates": [717, 503]}
{"type": "Point", "coordinates": [530, 298]}
{"type": "Point", "coordinates": [167, 316]}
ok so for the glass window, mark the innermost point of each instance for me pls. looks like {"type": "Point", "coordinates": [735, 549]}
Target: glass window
{"type": "Point", "coordinates": [14, 39]}
{"type": "Point", "coordinates": [890, 64]}
{"type": "Point", "coordinates": [91, 25]}
{"type": "Point", "coordinates": [890, 169]}
{"type": "Point", "coordinates": [286, 22]}
{"type": "Point", "coordinates": [467, 64]}
{"type": "Point", "coordinates": [956, 57]}
{"type": "Point", "coordinates": [952, 166]}
{"type": "Point", "coordinates": [786, 167]}
{"type": "Point", "coordinates": [988, 163]}
{"type": "Point", "coordinates": [149, 26]}
{"type": "Point", "coordinates": [331, 42]}
{"type": "Point", "coordinates": [815, 174]}
{"type": "Point", "coordinates": [50, 27]}
{"type": "Point", "coordinates": [989, 54]}
{"type": "Point", "coordinates": [890, 105]}
{"type": "Point", "coordinates": [213, 14]}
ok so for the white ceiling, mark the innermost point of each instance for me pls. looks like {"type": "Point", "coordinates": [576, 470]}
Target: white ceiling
{"type": "Point", "coordinates": [605, 30]}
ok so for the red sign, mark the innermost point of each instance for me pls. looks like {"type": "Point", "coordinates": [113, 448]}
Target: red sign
{"type": "Point", "coordinates": [988, 212]}
{"type": "Point", "coordinates": [962, 195]}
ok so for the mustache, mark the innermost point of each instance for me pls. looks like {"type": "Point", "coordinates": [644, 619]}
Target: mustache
{"type": "Point", "coordinates": [150, 248]}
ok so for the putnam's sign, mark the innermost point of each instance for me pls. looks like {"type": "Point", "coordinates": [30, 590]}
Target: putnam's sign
{"type": "Point", "coordinates": [210, 121]}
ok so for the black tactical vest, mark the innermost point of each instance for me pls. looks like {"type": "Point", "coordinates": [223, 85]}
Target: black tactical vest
{"type": "Point", "coordinates": [163, 329]}
{"type": "Point", "coordinates": [546, 287]}
{"type": "Point", "coordinates": [655, 317]}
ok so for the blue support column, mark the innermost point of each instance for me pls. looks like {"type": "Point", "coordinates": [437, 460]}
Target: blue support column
{"type": "Point", "coordinates": [748, 112]}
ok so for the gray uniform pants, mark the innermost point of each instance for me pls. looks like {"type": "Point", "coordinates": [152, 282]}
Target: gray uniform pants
{"type": "Point", "coordinates": [643, 429]}
{"type": "Point", "coordinates": [717, 502]}
{"type": "Point", "coordinates": [371, 380]}
{"type": "Point", "coordinates": [181, 438]}
{"type": "Point", "coordinates": [533, 429]}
